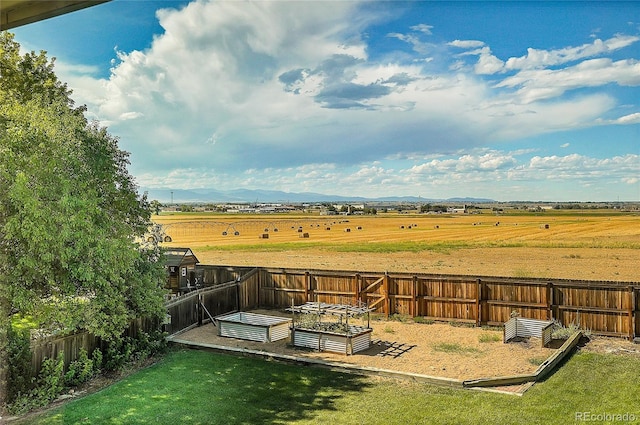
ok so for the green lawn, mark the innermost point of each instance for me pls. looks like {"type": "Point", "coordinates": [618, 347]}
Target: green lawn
{"type": "Point", "coordinates": [198, 387]}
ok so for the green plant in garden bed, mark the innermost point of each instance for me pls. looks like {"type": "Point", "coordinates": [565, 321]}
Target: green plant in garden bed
{"type": "Point", "coordinates": [198, 387]}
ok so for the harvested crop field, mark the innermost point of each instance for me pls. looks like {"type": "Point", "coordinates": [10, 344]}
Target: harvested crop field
{"type": "Point", "coordinates": [562, 246]}
{"type": "Point", "coordinates": [436, 349]}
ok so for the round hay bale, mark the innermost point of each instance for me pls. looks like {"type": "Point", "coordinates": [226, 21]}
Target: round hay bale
{"type": "Point", "coordinates": [168, 238]}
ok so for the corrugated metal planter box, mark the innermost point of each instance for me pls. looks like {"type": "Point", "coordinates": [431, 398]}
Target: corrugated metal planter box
{"type": "Point", "coordinates": [358, 339]}
{"type": "Point", "coordinates": [522, 327]}
{"type": "Point", "coordinates": [253, 327]}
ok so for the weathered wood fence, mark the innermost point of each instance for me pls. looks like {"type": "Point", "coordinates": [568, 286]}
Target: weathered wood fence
{"type": "Point", "coordinates": [605, 308]}
{"type": "Point", "coordinates": [71, 344]}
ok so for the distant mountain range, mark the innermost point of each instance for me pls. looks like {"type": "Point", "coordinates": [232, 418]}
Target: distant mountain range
{"type": "Point", "coordinates": [273, 196]}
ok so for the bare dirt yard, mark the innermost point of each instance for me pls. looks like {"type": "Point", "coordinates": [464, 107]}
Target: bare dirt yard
{"type": "Point", "coordinates": [436, 349]}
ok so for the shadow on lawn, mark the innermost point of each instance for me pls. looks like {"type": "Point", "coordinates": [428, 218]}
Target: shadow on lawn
{"type": "Point", "coordinates": [200, 387]}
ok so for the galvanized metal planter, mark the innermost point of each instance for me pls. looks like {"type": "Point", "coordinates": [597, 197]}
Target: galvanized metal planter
{"type": "Point", "coordinates": [341, 337]}
{"type": "Point", "coordinates": [253, 327]}
{"type": "Point", "coordinates": [358, 339]}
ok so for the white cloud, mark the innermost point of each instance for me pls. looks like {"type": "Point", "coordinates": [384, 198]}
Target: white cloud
{"type": "Point", "coordinates": [285, 94]}
{"type": "Point", "coordinates": [540, 84]}
{"type": "Point", "coordinates": [488, 63]}
{"type": "Point", "coordinates": [629, 119]}
{"type": "Point", "coordinates": [423, 28]}
{"type": "Point", "coordinates": [536, 58]}
{"type": "Point", "coordinates": [466, 44]}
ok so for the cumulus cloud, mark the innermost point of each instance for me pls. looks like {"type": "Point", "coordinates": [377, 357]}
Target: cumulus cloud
{"type": "Point", "coordinates": [537, 58]}
{"type": "Point", "coordinates": [286, 92]}
{"type": "Point", "coordinates": [466, 44]}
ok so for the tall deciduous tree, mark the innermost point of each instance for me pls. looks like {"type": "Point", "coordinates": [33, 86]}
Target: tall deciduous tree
{"type": "Point", "coordinates": [71, 220]}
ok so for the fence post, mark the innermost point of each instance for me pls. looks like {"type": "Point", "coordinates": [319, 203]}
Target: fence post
{"type": "Point", "coordinates": [413, 311]}
{"type": "Point", "coordinates": [632, 320]}
{"type": "Point", "coordinates": [385, 293]}
{"type": "Point", "coordinates": [549, 300]}
{"type": "Point", "coordinates": [238, 283]}
{"type": "Point", "coordinates": [308, 292]}
{"type": "Point", "coordinates": [200, 300]}
{"type": "Point", "coordinates": [478, 302]}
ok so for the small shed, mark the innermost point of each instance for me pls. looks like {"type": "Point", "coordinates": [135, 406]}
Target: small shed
{"type": "Point", "coordinates": [181, 269]}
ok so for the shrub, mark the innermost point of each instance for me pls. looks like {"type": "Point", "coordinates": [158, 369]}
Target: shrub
{"type": "Point", "coordinates": [19, 379]}
{"type": "Point", "coordinates": [48, 386]}
{"type": "Point", "coordinates": [129, 349]}
{"type": "Point", "coordinates": [80, 370]}
{"type": "Point", "coordinates": [564, 332]}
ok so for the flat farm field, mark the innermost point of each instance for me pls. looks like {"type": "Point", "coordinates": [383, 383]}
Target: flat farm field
{"type": "Point", "coordinates": [591, 245]}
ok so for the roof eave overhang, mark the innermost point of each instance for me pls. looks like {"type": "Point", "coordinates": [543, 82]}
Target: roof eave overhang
{"type": "Point", "coordinates": [14, 13]}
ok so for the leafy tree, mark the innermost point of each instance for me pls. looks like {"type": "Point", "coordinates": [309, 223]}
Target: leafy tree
{"type": "Point", "coordinates": [71, 220]}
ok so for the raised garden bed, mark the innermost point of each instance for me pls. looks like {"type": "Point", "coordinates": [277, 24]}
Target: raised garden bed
{"type": "Point", "coordinates": [253, 327]}
{"type": "Point", "coordinates": [337, 335]}
{"type": "Point", "coordinates": [357, 339]}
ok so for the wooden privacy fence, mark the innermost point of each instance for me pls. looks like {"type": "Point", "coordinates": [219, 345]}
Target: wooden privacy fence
{"type": "Point", "coordinates": [605, 308]}
{"type": "Point", "coordinates": [71, 344]}
{"type": "Point", "coordinates": [193, 308]}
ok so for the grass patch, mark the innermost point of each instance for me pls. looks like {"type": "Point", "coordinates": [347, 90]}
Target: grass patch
{"type": "Point", "coordinates": [536, 361]}
{"type": "Point", "coordinates": [198, 387]}
{"type": "Point", "coordinates": [489, 337]}
{"type": "Point", "coordinates": [423, 320]}
{"type": "Point", "coordinates": [389, 329]}
{"type": "Point", "coordinates": [454, 347]}
{"type": "Point", "coordinates": [462, 324]}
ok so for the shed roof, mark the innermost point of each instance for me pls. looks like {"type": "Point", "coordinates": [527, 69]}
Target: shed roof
{"type": "Point", "coordinates": [175, 256]}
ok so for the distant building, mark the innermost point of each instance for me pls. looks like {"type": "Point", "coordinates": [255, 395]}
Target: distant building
{"type": "Point", "coordinates": [462, 210]}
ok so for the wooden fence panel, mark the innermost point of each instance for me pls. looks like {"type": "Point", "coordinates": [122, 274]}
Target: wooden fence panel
{"type": "Point", "coordinates": [279, 288]}
{"type": "Point", "coordinates": [506, 297]}
{"type": "Point", "coordinates": [444, 298]}
{"type": "Point", "coordinates": [216, 275]}
{"type": "Point", "coordinates": [401, 294]}
{"type": "Point", "coordinates": [603, 309]}
{"type": "Point", "coordinates": [371, 291]}
{"type": "Point", "coordinates": [183, 312]}
{"type": "Point", "coordinates": [68, 345]}
{"type": "Point", "coordinates": [249, 290]}
{"type": "Point", "coordinates": [334, 289]}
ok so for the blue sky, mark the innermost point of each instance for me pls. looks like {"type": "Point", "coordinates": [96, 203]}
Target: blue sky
{"type": "Point", "coordinates": [503, 100]}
